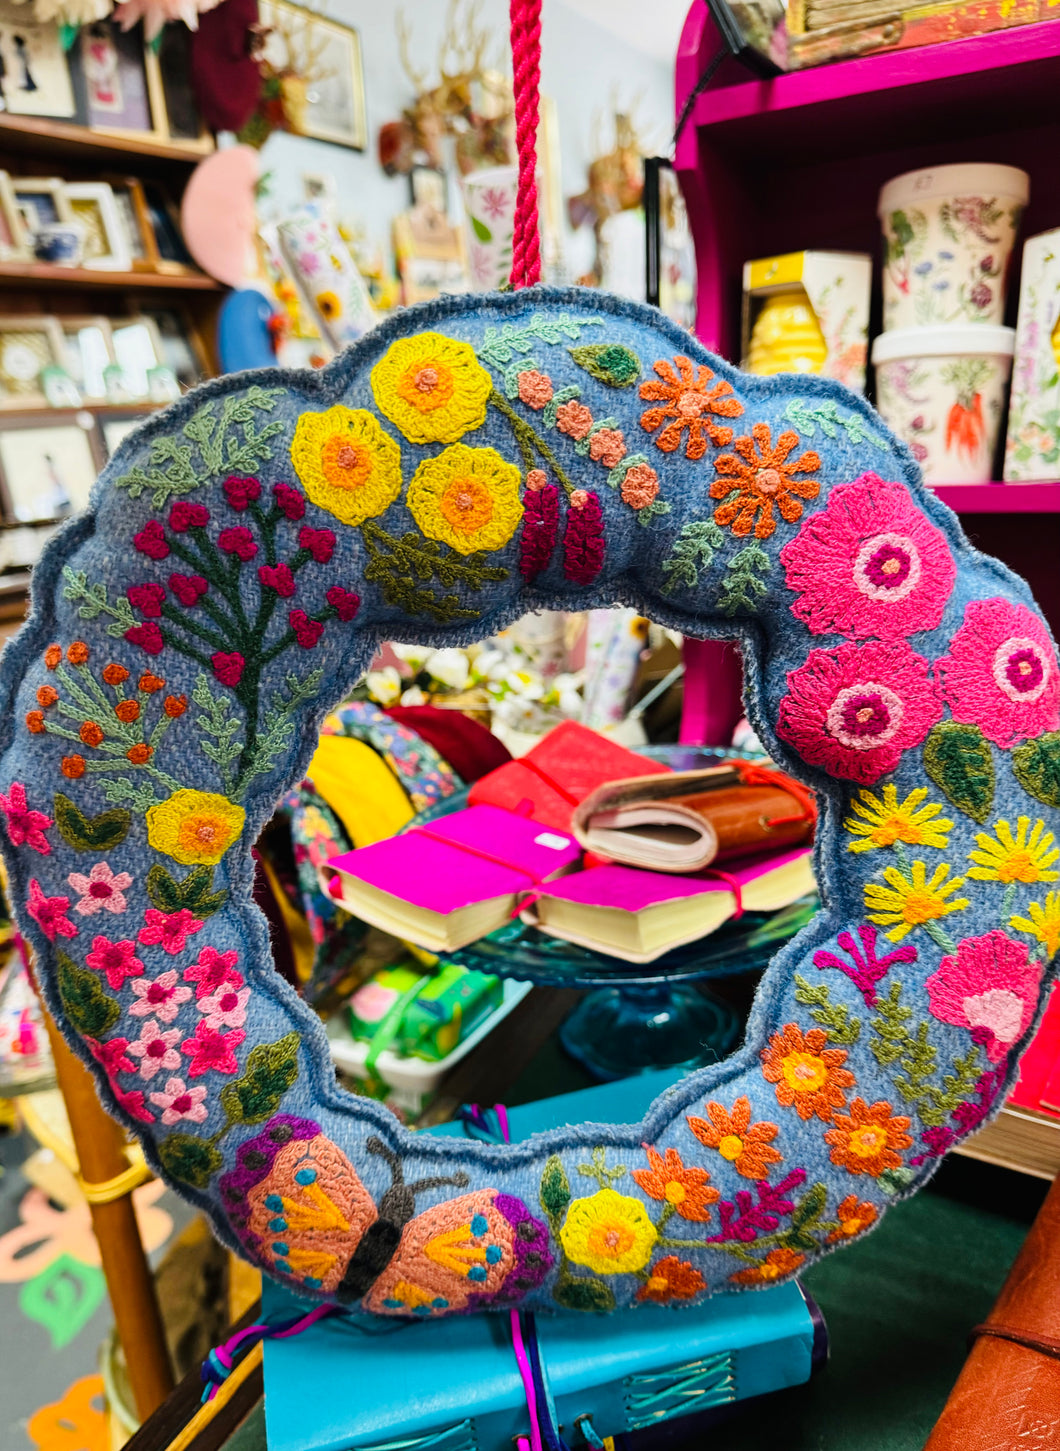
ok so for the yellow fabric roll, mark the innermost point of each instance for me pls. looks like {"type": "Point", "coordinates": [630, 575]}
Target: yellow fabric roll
{"type": "Point", "coordinates": [360, 788]}
{"type": "Point", "coordinates": [303, 948]}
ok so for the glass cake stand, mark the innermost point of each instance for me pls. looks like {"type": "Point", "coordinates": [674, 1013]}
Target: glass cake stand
{"type": "Point", "coordinates": [635, 1019]}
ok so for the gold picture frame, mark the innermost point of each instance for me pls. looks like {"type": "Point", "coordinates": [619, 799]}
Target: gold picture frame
{"type": "Point", "coordinates": [23, 340]}
{"type": "Point", "coordinates": [14, 237]}
{"type": "Point", "coordinates": [326, 55]}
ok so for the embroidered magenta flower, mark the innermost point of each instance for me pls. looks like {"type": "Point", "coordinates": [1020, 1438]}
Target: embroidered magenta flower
{"type": "Point", "coordinates": [343, 601]}
{"type": "Point", "coordinates": [855, 709]}
{"type": "Point", "coordinates": [159, 997]}
{"type": "Point", "coordinates": [116, 960]}
{"type": "Point", "coordinates": [583, 540]}
{"type": "Point", "coordinates": [535, 389]}
{"type": "Point", "coordinates": [151, 540]}
{"type": "Point", "coordinates": [1001, 673]}
{"type": "Point", "coordinates": [241, 493]}
{"type": "Point", "coordinates": [228, 666]}
{"type": "Point", "coordinates": [277, 577]}
{"type": "Point", "coordinates": [188, 588]}
{"type": "Point", "coordinates": [574, 419]}
{"type": "Point", "coordinates": [23, 825]}
{"type": "Point", "coordinates": [306, 631]}
{"type": "Point", "coordinates": [132, 1103]}
{"type": "Point", "coordinates": [211, 1051]}
{"type": "Point", "coordinates": [155, 1049]}
{"type": "Point", "coordinates": [184, 516]}
{"type": "Point", "coordinates": [540, 528]}
{"type": "Point", "coordinates": [148, 637]}
{"type": "Point", "coordinates": [320, 543]}
{"type": "Point", "coordinates": [214, 970]}
{"type": "Point", "coordinates": [289, 501]}
{"type": "Point", "coordinates": [179, 1102]}
{"type": "Point", "coordinates": [607, 446]}
{"type": "Point", "coordinates": [869, 564]}
{"type": "Point", "coordinates": [147, 598]}
{"type": "Point", "coordinates": [991, 985]}
{"type": "Point", "coordinates": [225, 1008]}
{"type": "Point", "coordinates": [111, 1055]}
{"type": "Point", "coordinates": [168, 930]}
{"type": "Point", "coordinates": [238, 541]}
{"type": "Point", "coordinates": [101, 891]}
{"type": "Point", "coordinates": [49, 912]}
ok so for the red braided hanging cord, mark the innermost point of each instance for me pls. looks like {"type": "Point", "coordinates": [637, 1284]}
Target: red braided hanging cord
{"type": "Point", "coordinates": [526, 73]}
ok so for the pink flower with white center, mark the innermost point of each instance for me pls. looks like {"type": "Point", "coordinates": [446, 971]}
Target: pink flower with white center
{"type": "Point", "coordinates": [24, 825]}
{"type": "Point", "coordinates": [1001, 673]}
{"type": "Point", "coordinates": [212, 971]}
{"type": "Point", "coordinates": [117, 959]}
{"type": "Point", "coordinates": [49, 913]}
{"type": "Point", "coordinates": [111, 1055]}
{"type": "Point", "coordinates": [155, 1049]}
{"type": "Point", "coordinates": [211, 1051]}
{"type": "Point", "coordinates": [991, 985]}
{"type": "Point", "coordinates": [179, 1102]}
{"type": "Point", "coordinates": [101, 891]}
{"type": "Point", "coordinates": [226, 1008]}
{"type": "Point", "coordinates": [159, 997]}
{"type": "Point", "coordinates": [168, 930]}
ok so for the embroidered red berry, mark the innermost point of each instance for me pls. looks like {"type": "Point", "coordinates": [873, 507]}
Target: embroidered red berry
{"type": "Point", "coordinates": [228, 666]}
{"type": "Point", "coordinates": [151, 540]}
{"type": "Point", "coordinates": [91, 733]}
{"type": "Point", "coordinates": [238, 541]}
{"type": "Point", "coordinates": [320, 543]}
{"type": "Point", "coordinates": [184, 516]}
{"type": "Point", "coordinates": [343, 601]}
{"type": "Point", "coordinates": [149, 683]}
{"type": "Point", "coordinates": [306, 631]}
{"type": "Point", "coordinates": [175, 706]}
{"type": "Point", "coordinates": [241, 493]}
{"type": "Point", "coordinates": [277, 577]}
{"type": "Point", "coordinates": [147, 598]}
{"type": "Point", "coordinates": [115, 674]}
{"type": "Point", "coordinates": [77, 653]}
{"type": "Point", "coordinates": [188, 588]}
{"type": "Point", "coordinates": [53, 656]}
{"type": "Point", "coordinates": [72, 767]}
{"type": "Point", "coordinates": [47, 695]}
{"type": "Point", "coordinates": [127, 711]}
{"type": "Point", "coordinates": [35, 721]}
{"type": "Point", "coordinates": [139, 755]}
{"type": "Point", "coordinates": [289, 501]}
{"type": "Point", "coordinates": [148, 637]}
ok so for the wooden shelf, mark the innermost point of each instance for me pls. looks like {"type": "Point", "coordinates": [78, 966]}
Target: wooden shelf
{"type": "Point", "coordinates": [46, 274]}
{"type": "Point", "coordinates": [41, 136]}
{"type": "Point", "coordinates": [997, 498]}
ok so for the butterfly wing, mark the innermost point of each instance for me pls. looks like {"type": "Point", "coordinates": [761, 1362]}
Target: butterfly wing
{"type": "Point", "coordinates": [480, 1248]}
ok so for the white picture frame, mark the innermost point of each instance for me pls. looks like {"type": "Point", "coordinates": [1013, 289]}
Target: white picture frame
{"type": "Point", "coordinates": [48, 470]}
{"type": "Point", "coordinates": [95, 206]}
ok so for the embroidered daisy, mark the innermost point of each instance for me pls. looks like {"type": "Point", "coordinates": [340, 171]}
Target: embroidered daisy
{"type": "Point", "coordinates": [868, 1139]}
{"type": "Point", "coordinates": [1001, 673]}
{"type": "Point", "coordinates": [179, 1102]}
{"type": "Point", "coordinates": [913, 901]}
{"type": "Point", "coordinates": [155, 1049]}
{"type": "Point", "coordinates": [747, 1146]}
{"type": "Point", "coordinates": [880, 821]}
{"type": "Point", "coordinates": [807, 1074]}
{"type": "Point", "coordinates": [1026, 857]}
{"type": "Point", "coordinates": [101, 891]}
{"type": "Point", "coordinates": [225, 1008]}
{"type": "Point", "coordinates": [777, 1264]}
{"type": "Point", "coordinates": [853, 1217]}
{"type": "Point", "coordinates": [1042, 923]}
{"type": "Point", "coordinates": [159, 997]}
{"type": "Point", "coordinates": [686, 1189]}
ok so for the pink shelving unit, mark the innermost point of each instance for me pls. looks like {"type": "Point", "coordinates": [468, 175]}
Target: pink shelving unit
{"type": "Point", "coordinates": [771, 166]}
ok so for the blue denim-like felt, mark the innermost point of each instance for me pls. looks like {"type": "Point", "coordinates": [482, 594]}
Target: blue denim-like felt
{"type": "Point", "coordinates": [851, 441]}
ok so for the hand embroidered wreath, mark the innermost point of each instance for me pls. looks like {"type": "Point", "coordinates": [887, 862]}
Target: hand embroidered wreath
{"type": "Point", "coordinates": [469, 461]}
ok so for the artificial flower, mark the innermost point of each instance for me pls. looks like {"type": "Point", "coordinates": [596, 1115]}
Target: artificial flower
{"type": "Point", "coordinates": [156, 14]}
{"type": "Point", "coordinates": [685, 1187]}
{"type": "Point", "coordinates": [609, 1232]}
{"type": "Point", "coordinates": [908, 902]}
{"type": "Point", "coordinates": [194, 827]}
{"type": "Point", "coordinates": [746, 1145]}
{"type": "Point", "coordinates": [868, 1140]}
{"type": "Point", "coordinates": [992, 985]}
{"type": "Point", "coordinates": [1001, 673]}
{"type": "Point", "coordinates": [466, 497]}
{"type": "Point", "coordinates": [880, 821]}
{"type": "Point", "coordinates": [1027, 857]}
{"type": "Point", "coordinates": [432, 388]}
{"type": "Point", "coordinates": [808, 1075]}
{"type": "Point", "coordinates": [450, 667]}
{"type": "Point", "coordinates": [346, 462]}
{"type": "Point", "coordinates": [384, 686]}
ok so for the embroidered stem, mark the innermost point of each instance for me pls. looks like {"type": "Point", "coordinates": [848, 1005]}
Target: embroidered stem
{"type": "Point", "coordinates": [528, 438]}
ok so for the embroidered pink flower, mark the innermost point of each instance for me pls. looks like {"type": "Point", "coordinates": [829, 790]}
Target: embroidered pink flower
{"type": "Point", "coordinates": [101, 891]}
{"type": "Point", "coordinates": [111, 1055]}
{"type": "Point", "coordinates": [540, 526]}
{"type": "Point", "coordinates": [179, 1102]}
{"type": "Point", "coordinates": [184, 516]}
{"type": "Point", "coordinates": [133, 1103]}
{"type": "Point", "coordinates": [241, 493]}
{"type": "Point", "coordinates": [168, 930]}
{"type": "Point", "coordinates": [239, 541]}
{"type": "Point", "coordinates": [147, 598]}
{"type": "Point", "coordinates": [343, 601]}
{"type": "Point", "coordinates": [277, 577]}
{"type": "Point", "coordinates": [159, 997]}
{"type": "Point", "coordinates": [225, 1008]}
{"type": "Point", "coordinates": [583, 540]}
{"type": "Point", "coordinates": [228, 666]}
{"type": "Point", "coordinates": [990, 985]}
{"type": "Point", "coordinates": [188, 588]}
{"type": "Point", "coordinates": [607, 446]}
{"type": "Point", "coordinates": [1001, 673]}
{"type": "Point", "coordinates": [870, 564]}
{"type": "Point", "coordinates": [535, 389]}
{"type": "Point", "coordinates": [289, 501]}
{"type": "Point", "coordinates": [855, 709]}
{"type": "Point", "coordinates": [574, 419]}
{"type": "Point", "coordinates": [117, 960]}
{"type": "Point", "coordinates": [211, 1051]}
{"type": "Point", "coordinates": [49, 912]}
{"type": "Point", "coordinates": [151, 540]}
{"type": "Point", "coordinates": [24, 825]}
{"type": "Point", "coordinates": [212, 971]}
{"type": "Point", "coordinates": [320, 543]}
{"type": "Point", "coordinates": [306, 631]}
{"type": "Point", "coordinates": [155, 1049]}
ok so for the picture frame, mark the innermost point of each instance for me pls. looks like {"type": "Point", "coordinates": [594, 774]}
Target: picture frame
{"type": "Point", "coordinates": [47, 466]}
{"type": "Point", "coordinates": [34, 76]}
{"type": "Point", "coordinates": [429, 187]}
{"type": "Point", "coordinates": [28, 344]}
{"type": "Point", "coordinates": [88, 351]}
{"type": "Point", "coordinates": [134, 219]}
{"type": "Point", "coordinates": [109, 73]}
{"type": "Point", "coordinates": [330, 52]}
{"type": "Point", "coordinates": [93, 205]}
{"type": "Point", "coordinates": [173, 95]}
{"type": "Point", "coordinates": [41, 201]}
{"type": "Point", "coordinates": [116, 427]}
{"type": "Point", "coordinates": [165, 243]}
{"type": "Point", "coordinates": [181, 344]}
{"type": "Point", "coordinates": [14, 237]}
{"type": "Point", "coordinates": [139, 357]}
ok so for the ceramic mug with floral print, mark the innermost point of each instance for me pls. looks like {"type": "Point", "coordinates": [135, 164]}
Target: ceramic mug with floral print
{"type": "Point", "coordinates": [472, 460]}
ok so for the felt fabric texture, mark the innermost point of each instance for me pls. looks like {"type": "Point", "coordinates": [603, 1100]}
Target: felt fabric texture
{"type": "Point", "coordinates": [245, 553]}
{"type": "Point", "coordinates": [468, 746]}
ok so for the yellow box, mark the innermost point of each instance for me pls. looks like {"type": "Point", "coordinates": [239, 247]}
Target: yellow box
{"type": "Point", "coordinates": [808, 312]}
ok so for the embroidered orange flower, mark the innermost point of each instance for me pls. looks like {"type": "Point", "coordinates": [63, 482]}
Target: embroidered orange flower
{"type": "Point", "coordinates": [607, 446]}
{"type": "Point", "coordinates": [671, 1279]}
{"type": "Point", "coordinates": [809, 1076]}
{"type": "Point", "coordinates": [149, 683]}
{"type": "Point", "coordinates": [77, 653]}
{"type": "Point", "coordinates": [140, 754]}
{"type": "Point", "coordinates": [574, 419]}
{"type": "Point", "coordinates": [854, 1217]}
{"type": "Point", "coordinates": [175, 706]}
{"type": "Point", "coordinates": [535, 389]}
{"type": "Point", "coordinates": [35, 721]}
{"type": "Point", "coordinates": [114, 674]}
{"type": "Point", "coordinates": [747, 1146]}
{"type": "Point", "coordinates": [640, 486]}
{"type": "Point", "coordinates": [687, 399]}
{"type": "Point", "coordinates": [47, 695]}
{"type": "Point", "coordinates": [687, 1188]}
{"type": "Point", "coordinates": [53, 656]}
{"type": "Point", "coordinates": [763, 475]}
{"type": "Point", "coordinates": [778, 1262]}
{"type": "Point", "coordinates": [91, 734]}
{"type": "Point", "coordinates": [867, 1140]}
{"type": "Point", "coordinates": [127, 711]}
{"type": "Point", "coordinates": [73, 767]}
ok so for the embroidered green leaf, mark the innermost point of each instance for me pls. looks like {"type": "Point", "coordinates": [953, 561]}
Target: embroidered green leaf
{"type": "Point", "coordinates": [805, 1219]}
{"type": "Point", "coordinates": [120, 790]}
{"type": "Point", "coordinates": [958, 760]}
{"type": "Point", "coordinates": [957, 1087]}
{"type": "Point", "coordinates": [890, 1034]}
{"type": "Point", "coordinates": [91, 1011]}
{"type": "Point", "coordinates": [94, 602]}
{"type": "Point", "coordinates": [397, 564]}
{"type": "Point", "coordinates": [1037, 768]}
{"type": "Point", "coordinates": [578, 1294]}
{"type": "Point", "coordinates": [501, 345]}
{"type": "Point", "coordinates": [258, 1091]}
{"type": "Point", "coordinates": [742, 585]}
{"type": "Point", "coordinates": [693, 550]}
{"type": "Point", "coordinates": [919, 1064]}
{"type": "Point", "coordinates": [194, 892]}
{"type": "Point", "coordinates": [842, 1028]}
{"type": "Point", "coordinates": [216, 721]}
{"type": "Point", "coordinates": [655, 510]}
{"type": "Point", "coordinates": [194, 1161]}
{"type": "Point", "coordinates": [277, 727]}
{"type": "Point", "coordinates": [808, 417]}
{"type": "Point", "coordinates": [482, 232]}
{"type": "Point", "coordinates": [90, 833]}
{"type": "Point", "coordinates": [893, 1181]}
{"type": "Point", "coordinates": [555, 1188]}
{"type": "Point", "coordinates": [610, 363]}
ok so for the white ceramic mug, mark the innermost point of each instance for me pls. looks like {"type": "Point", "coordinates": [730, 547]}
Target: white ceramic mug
{"type": "Point", "coordinates": [489, 219]}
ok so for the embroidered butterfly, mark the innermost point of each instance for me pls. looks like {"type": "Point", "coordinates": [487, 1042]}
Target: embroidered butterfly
{"type": "Point", "coordinates": [302, 1212]}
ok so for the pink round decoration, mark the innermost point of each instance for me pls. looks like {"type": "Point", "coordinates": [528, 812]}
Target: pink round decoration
{"type": "Point", "coordinates": [217, 215]}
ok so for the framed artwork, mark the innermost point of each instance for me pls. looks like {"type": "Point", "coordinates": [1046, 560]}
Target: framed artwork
{"type": "Point", "coordinates": [20, 548]}
{"type": "Point", "coordinates": [109, 72]}
{"type": "Point", "coordinates": [88, 352]}
{"type": "Point", "coordinates": [169, 80]}
{"type": "Point", "coordinates": [138, 354]}
{"type": "Point", "coordinates": [14, 238]}
{"type": "Point", "coordinates": [181, 348]}
{"type": "Point", "coordinates": [134, 220]}
{"type": "Point", "coordinates": [94, 206]}
{"type": "Point", "coordinates": [34, 76]}
{"type": "Point", "coordinates": [41, 201]}
{"type": "Point", "coordinates": [429, 188]}
{"type": "Point", "coordinates": [28, 345]}
{"type": "Point", "coordinates": [117, 427]}
{"type": "Point", "coordinates": [47, 467]}
{"type": "Point", "coordinates": [327, 55]}
{"type": "Point", "coordinates": [166, 249]}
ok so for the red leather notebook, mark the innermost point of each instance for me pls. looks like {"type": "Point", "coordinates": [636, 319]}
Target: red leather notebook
{"type": "Point", "coordinates": [1038, 1085]}
{"type": "Point", "coordinates": [561, 770]}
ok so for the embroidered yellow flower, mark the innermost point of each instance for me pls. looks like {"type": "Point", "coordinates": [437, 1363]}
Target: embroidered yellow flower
{"type": "Point", "coordinates": [1026, 857]}
{"type": "Point", "coordinates": [911, 901]}
{"type": "Point", "coordinates": [346, 463]}
{"type": "Point", "coordinates": [880, 823]}
{"type": "Point", "coordinates": [609, 1232]}
{"type": "Point", "coordinates": [194, 826]}
{"type": "Point", "coordinates": [466, 497]}
{"type": "Point", "coordinates": [1044, 923]}
{"type": "Point", "coordinates": [432, 387]}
